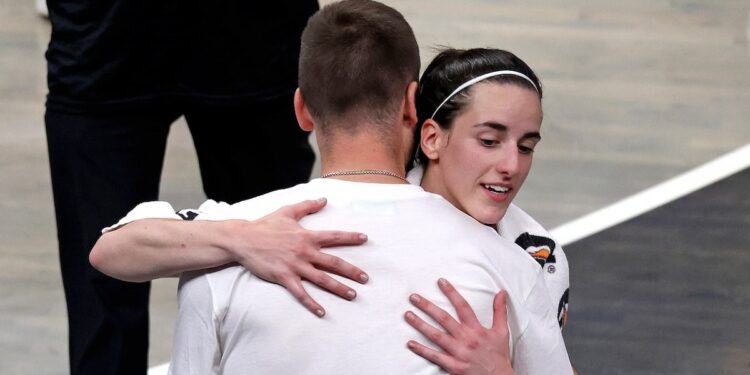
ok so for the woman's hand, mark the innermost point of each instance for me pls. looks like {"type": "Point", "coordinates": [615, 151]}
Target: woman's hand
{"type": "Point", "coordinates": [277, 249]}
{"type": "Point", "coordinates": [468, 347]}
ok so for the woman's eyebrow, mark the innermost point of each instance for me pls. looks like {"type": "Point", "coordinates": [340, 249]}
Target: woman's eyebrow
{"type": "Point", "coordinates": [504, 128]}
{"type": "Point", "coordinates": [532, 135]}
{"type": "Point", "coordinates": [494, 125]}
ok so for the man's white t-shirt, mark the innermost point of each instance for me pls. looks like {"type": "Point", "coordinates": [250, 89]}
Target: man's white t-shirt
{"type": "Point", "coordinates": [230, 322]}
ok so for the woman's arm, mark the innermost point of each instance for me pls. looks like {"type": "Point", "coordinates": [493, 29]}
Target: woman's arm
{"type": "Point", "coordinates": [275, 248]}
{"type": "Point", "coordinates": [469, 347]}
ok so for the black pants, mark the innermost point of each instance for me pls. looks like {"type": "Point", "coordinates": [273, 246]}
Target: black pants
{"type": "Point", "coordinates": [103, 165]}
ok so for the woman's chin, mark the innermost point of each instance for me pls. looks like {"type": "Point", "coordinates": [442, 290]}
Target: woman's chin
{"type": "Point", "coordinates": [489, 218]}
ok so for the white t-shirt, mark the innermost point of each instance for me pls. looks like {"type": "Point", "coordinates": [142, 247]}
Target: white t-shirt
{"type": "Point", "coordinates": [520, 228]}
{"type": "Point", "coordinates": [231, 322]}
{"type": "Point", "coordinates": [524, 231]}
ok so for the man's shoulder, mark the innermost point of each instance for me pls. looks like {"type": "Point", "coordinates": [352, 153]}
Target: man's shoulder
{"type": "Point", "coordinates": [462, 228]}
{"type": "Point", "coordinates": [262, 205]}
{"type": "Point", "coordinates": [339, 194]}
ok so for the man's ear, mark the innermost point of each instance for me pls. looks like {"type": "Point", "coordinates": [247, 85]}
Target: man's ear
{"type": "Point", "coordinates": [304, 119]}
{"type": "Point", "coordinates": [432, 139]}
{"type": "Point", "coordinates": [410, 104]}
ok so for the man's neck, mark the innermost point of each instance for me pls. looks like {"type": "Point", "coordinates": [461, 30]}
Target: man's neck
{"type": "Point", "coordinates": [357, 154]}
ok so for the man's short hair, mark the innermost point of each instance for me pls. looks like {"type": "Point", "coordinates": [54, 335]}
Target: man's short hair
{"type": "Point", "coordinates": [356, 60]}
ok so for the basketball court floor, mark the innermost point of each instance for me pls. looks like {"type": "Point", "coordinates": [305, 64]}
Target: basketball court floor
{"type": "Point", "coordinates": [642, 174]}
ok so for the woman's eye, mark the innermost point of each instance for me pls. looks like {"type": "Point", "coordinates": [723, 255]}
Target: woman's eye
{"type": "Point", "coordinates": [525, 150]}
{"type": "Point", "coordinates": [488, 142]}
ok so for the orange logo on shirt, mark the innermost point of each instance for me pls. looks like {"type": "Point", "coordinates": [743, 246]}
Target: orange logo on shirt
{"type": "Point", "coordinates": [542, 249]}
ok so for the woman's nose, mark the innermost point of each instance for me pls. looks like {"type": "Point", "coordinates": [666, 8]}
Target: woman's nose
{"type": "Point", "coordinates": [507, 164]}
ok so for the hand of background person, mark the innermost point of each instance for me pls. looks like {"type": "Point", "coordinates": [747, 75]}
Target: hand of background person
{"type": "Point", "coordinates": [277, 249]}
{"type": "Point", "coordinates": [468, 347]}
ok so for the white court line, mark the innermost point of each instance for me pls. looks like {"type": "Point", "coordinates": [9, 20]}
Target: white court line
{"type": "Point", "coordinates": [663, 193]}
{"type": "Point", "coordinates": [628, 208]}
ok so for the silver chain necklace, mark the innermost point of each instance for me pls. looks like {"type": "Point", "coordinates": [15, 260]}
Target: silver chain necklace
{"type": "Point", "coordinates": [364, 171]}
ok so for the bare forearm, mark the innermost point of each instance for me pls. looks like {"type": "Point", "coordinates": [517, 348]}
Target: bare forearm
{"type": "Point", "coordinates": [274, 248]}
{"type": "Point", "coordinates": [153, 248]}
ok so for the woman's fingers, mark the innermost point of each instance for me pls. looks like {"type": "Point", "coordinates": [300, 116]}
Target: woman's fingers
{"type": "Point", "coordinates": [437, 314]}
{"type": "Point", "coordinates": [447, 362]}
{"type": "Point", "coordinates": [500, 312]}
{"type": "Point", "coordinates": [467, 347]}
{"type": "Point", "coordinates": [436, 336]}
{"type": "Point", "coordinates": [464, 311]}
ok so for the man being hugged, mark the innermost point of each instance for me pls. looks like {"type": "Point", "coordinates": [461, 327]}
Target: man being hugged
{"type": "Point", "coordinates": [359, 65]}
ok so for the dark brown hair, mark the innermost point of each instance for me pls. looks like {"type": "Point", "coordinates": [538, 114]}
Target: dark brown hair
{"type": "Point", "coordinates": [356, 60]}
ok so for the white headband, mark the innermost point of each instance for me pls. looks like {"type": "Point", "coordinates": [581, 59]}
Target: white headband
{"type": "Point", "coordinates": [480, 78]}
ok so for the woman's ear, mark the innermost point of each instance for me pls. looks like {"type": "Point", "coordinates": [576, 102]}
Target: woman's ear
{"type": "Point", "coordinates": [432, 139]}
{"type": "Point", "coordinates": [304, 119]}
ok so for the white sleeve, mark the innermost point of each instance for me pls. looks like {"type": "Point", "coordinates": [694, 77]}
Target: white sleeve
{"type": "Point", "coordinates": [541, 349]}
{"type": "Point", "coordinates": [164, 210]}
{"type": "Point", "coordinates": [196, 347]}
{"type": "Point", "coordinates": [146, 210]}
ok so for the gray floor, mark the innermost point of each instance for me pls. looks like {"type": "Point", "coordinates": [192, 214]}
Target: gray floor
{"type": "Point", "coordinates": [667, 292]}
{"type": "Point", "coordinates": [635, 93]}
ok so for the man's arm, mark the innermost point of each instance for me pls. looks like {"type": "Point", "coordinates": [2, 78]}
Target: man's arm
{"type": "Point", "coordinates": [542, 337]}
{"type": "Point", "coordinates": [197, 344]}
{"type": "Point", "coordinates": [275, 248]}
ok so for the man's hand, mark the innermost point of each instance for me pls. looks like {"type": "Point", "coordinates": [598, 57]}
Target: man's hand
{"type": "Point", "coordinates": [469, 348]}
{"type": "Point", "coordinates": [277, 249]}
